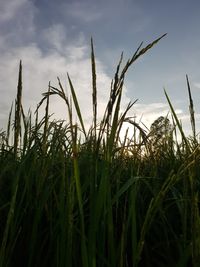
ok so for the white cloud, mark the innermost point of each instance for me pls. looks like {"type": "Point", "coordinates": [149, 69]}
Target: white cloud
{"type": "Point", "coordinates": [55, 36]}
{"type": "Point", "coordinates": [150, 112]}
{"type": "Point", "coordinates": [40, 68]}
{"type": "Point", "coordinates": [146, 114]}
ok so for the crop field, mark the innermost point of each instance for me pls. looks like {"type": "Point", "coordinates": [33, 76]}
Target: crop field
{"type": "Point", "coordinates": [72, 196]}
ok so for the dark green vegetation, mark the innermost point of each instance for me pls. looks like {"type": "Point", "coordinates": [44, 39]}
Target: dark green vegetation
{"type": "Point", "coordinates": [72, 197]}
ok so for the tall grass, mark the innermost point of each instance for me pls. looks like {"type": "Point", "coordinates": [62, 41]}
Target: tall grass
{"type": "Point", "coordinates": [77, 197]}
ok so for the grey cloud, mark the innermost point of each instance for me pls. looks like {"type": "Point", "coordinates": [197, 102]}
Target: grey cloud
{"type": "Point", "coordinates": [16, 23]}
{"type": "Point", "coordinates": [83, 11]}
{"type": "Point", "coordinates": [8, 9]}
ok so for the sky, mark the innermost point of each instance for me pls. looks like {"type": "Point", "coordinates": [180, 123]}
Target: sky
{"type": "Point", "coordinates": [52, 38]}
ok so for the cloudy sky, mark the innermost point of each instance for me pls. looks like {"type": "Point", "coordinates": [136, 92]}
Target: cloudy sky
{"type": "Point", "coordinates": [52, 37]}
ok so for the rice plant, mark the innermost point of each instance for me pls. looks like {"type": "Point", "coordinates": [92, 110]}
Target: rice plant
{"type": "Point", "coordinates": [77, 197]}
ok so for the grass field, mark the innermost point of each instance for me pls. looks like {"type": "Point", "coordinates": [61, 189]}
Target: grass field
{"type": "Point", "coordinates": [76, 197]}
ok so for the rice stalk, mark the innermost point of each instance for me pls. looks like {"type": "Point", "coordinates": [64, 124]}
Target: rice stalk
{"type": "Point", "coordinates": [94, 89]}
{"type": "Point", "coordinates": [191, 109]}
{"type": "Point", "coordinates": [18, 103]}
